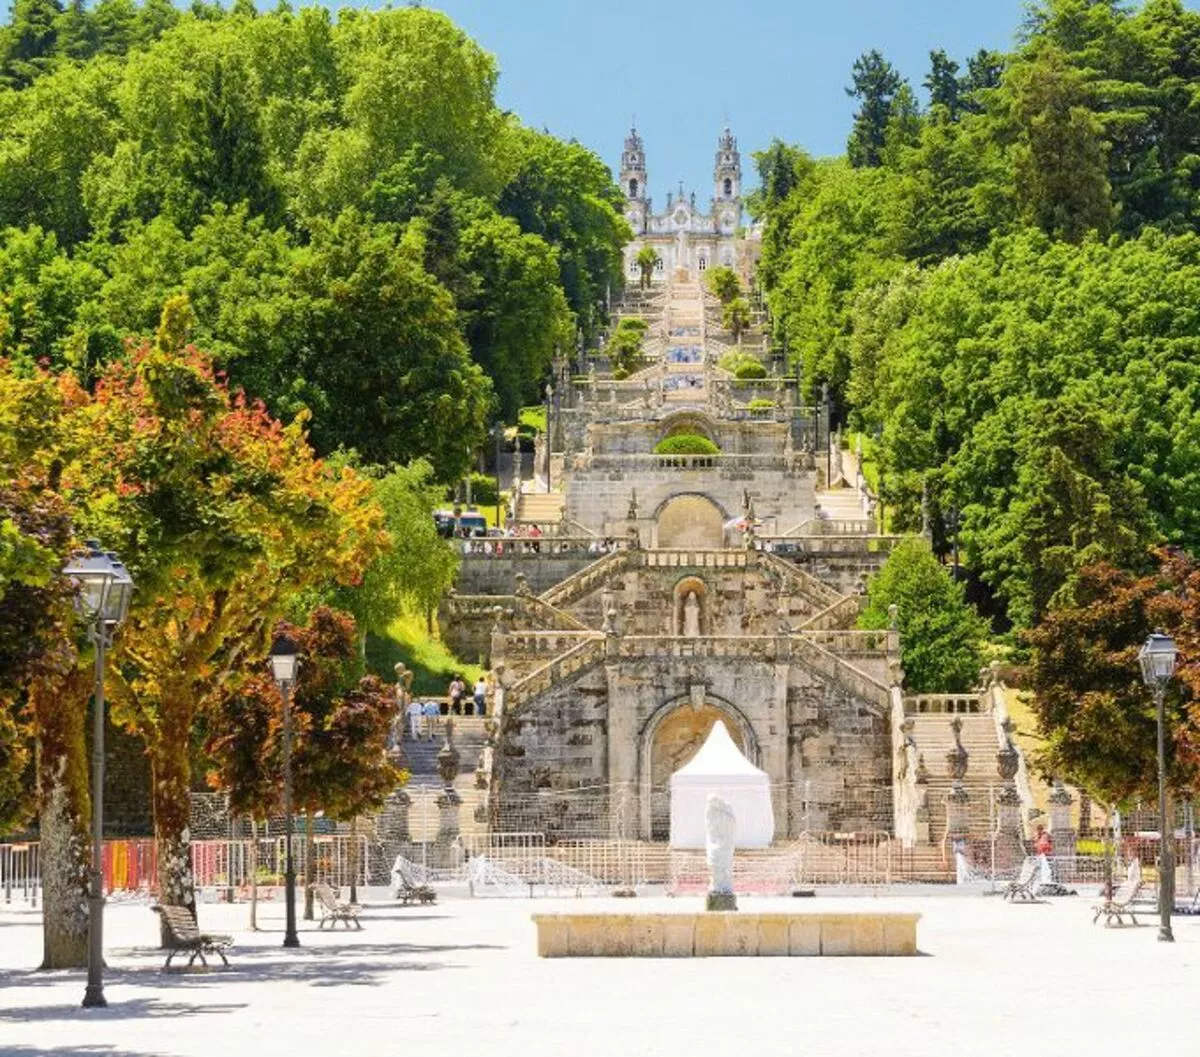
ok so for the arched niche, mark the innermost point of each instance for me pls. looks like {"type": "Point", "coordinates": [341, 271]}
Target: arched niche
{"type": "Point", "coordinates": [690, 522]}
{"type": "Point", "coordinates": [669, 740]}
{"type": "Point", "coordinates": [689, 585]}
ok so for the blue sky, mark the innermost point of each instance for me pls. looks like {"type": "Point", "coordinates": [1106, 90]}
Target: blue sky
{"type": "Point", "coordinates": [582, 68]}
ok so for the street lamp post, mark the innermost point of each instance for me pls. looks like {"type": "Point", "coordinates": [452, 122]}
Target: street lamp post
{"type": "Point", "coordinates": [104, 591]}
{"type": "Point", "coordinates": [1157, 658]}
{"type": "Point", "coordinates": [284, 660]}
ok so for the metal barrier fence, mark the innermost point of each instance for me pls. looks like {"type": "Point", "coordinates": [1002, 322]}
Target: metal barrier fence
{"type": "Point", "coordinates": [221, 866]}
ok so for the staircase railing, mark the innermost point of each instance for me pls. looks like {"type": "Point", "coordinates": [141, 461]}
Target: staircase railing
{"type": "Point", "coordinates": [587, 579]}
{"type": "Point", "coordinates": [541, 680]}
{"type": "Point", "coordinates": [842, 614]}
{"type": "Point", "coordinates": [807, 584]}
{"type": "Point", "coordinates": [842, 672]}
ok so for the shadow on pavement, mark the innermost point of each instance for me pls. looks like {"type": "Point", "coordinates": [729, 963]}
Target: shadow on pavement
{"type": "Point", "coordinates": [130, 1009]}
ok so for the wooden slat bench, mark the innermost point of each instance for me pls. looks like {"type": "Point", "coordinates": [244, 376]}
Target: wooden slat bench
{"type": "Point", "coordinates": [182, 934]}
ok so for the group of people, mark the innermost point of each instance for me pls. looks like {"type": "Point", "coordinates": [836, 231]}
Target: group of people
{"type": "Point", "coordinates": [425, 717]}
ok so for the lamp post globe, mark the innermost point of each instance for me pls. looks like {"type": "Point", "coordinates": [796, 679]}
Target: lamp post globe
{"type": "Point", "coordinates": [103, 593]}
{"type": "Point", "coordinates": [285, 659]}
{"type": "Point", "coordinates": [1157, 659]}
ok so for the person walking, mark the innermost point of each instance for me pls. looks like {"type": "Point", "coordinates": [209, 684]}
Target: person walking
{"type": "Point", "coordinates": [456, 691]}
{"type": "Point", "coordinates": [481, 689]}
{"type": "Point", "coordinates": [416, 719]}
{"type": "Point", "coordinates": [432, 714]}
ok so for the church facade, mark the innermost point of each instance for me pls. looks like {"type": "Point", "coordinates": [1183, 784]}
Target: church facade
{"type": "Point", "coordinates": [685, 238]}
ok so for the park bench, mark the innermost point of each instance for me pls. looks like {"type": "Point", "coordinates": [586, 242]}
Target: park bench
{"type": "Point", "coordinates": [182, 934]}
{"type": "Point", "coordinates": [406, 889]}
{"type": "Point", "coordinates": [334, 910]}
{"type": "Point", "coordinates": [1024, 887]}
{"type": "Point", "coordinates": [1120, 903]}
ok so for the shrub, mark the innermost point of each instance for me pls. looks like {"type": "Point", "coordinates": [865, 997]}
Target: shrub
{"type": "Point", "coordinates": [724, 284]}
{"type": "Point", "coordinates": [761, 404]}
{"type": "Point", "coordinates": [686, 444]}
{"type": "Point", "coordinates": [483, 489]}
{"type": "Point", "coordinates": [749, 369]}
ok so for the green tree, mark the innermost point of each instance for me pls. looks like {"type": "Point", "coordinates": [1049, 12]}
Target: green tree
{"type": "Point", "coordinates": [736, 317]}
{"type": "Point", "coordinates": [943, 83]}
{"type": "Point", "coordinates": [724, 284]}
{"type": "Point", "coordinates": [647, 260]}
{"type": "Point", "coordinates": [27, 43]}
{"type": "Point", "coordinates": [941, 635]}
{"type": "Point", "coordinates": [874, 83]}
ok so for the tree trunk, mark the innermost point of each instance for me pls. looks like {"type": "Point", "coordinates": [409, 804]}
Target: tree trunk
{"type": "Point", "coordinates": [309, 871]}
{"type": "Point", "coordinates": [61, 714]}
{"type": "Point", "coordinates": [171, 775]}
{"type": "Point", "coordinates": [254, 875]}
{"type": "Point", "coordinates": [354, 859]}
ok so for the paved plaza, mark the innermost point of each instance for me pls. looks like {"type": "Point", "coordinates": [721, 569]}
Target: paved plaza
{"type": "Point", "coordinates": [461, 979]}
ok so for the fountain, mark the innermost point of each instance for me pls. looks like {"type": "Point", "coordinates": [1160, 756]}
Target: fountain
{"type": "Point", "coordinates": [721, 930]}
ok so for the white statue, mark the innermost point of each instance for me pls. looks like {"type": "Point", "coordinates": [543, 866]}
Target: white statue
{"type": "Point", "coordinates": [720, 828]}
{"type": "Point", "coordinates": [691, 616]}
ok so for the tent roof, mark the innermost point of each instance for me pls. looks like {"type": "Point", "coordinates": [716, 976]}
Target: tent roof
{"type": "Point", "coordinates": [718, 757]}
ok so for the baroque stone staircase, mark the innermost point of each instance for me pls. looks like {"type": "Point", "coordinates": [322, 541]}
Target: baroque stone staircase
{"type": "Point", "coordinates": [542, 508]}
{"type": "Point", "coordinates": [934, 739]}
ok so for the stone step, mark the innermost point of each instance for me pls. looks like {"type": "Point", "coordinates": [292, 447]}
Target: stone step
{"type": "Point", "coordinates": [541, 507]}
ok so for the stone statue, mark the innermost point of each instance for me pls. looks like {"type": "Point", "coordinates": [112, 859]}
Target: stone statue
{"type": "Point", "coordinates": [691, 616]}
{"type": "Point", "coordinates": [721, 830]}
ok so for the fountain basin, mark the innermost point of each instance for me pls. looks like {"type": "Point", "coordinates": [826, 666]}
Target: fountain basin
{"type": "Point", "coordinates": [706, 934]}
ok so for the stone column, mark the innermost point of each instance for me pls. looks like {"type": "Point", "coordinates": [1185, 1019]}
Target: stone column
{"type": "Point", "coordinates": [624, 817]}
{"type": "Point", "coordinates": [958, 802]}
{"type": "Point", "coordinates": [1009, 834]}
{"type": "Point", "coordinates": [1062, 833]}
{"type": "Point", "coordinates": [448, 802]}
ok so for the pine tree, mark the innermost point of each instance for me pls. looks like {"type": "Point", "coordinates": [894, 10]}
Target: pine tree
{"type": "Point", "coordinates": [875, 83]}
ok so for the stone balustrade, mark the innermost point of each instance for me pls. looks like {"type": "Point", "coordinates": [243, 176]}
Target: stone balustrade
{"type": "Point", "coordinates": [847, 544]}
{"type": "Point", "coordinates": [539, 547]}
{"type": "Point", "coordinates": [721, 463]}
{"type": "Point", "coordinates": [841, 614]}
{"type": "Point", "coordinates": [945, 704]}
{"type": "Point", "coordinates": [588, 651]}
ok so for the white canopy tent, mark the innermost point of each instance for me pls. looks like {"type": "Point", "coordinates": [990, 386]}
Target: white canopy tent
{"type": "Point", "coordinates": [719, 767]}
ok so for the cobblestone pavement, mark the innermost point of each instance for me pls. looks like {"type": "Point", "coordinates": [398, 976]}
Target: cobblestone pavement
{"type": "Point", "coordinates": [461, 979]}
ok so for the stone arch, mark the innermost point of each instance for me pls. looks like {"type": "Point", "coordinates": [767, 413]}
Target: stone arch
{"type": "Point", "coordinates": [671, 737]}
{"type": "Point", "coordinates": [688, 422]}
{"type": "Point", "coordinates": [690, 522]}
{"type": "Point", "coordinates": [682, 589]}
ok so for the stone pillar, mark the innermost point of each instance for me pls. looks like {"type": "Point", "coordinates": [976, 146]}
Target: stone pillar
{"type": "Point", "coordinates": [625, 813]}
{"type": "Point", "coordinates": [775, 749]}
{"type": "Point", "coordinates": [448, 802]}
{"type": "Point", "coordinates": [958, 802]}
{"type": "Point", "coordinates": [1009, 834]}
{"type": "Point", "coordinates": [1061, 831]}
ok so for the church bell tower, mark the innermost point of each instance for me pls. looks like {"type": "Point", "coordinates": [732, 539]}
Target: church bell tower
{"type": "Point", "coordinates": [727, 184]}
{"type": "Point", "coordinates": [633, 182]}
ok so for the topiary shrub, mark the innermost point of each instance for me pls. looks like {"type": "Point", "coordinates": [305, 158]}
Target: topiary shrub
{"type": "Point", "coordinates": [749, 369]}
{"type": "Point", "coordinates": [686, 444]}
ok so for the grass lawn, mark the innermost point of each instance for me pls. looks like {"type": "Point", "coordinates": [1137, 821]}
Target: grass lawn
{"type": "Point", "coordinates": [426, 655]}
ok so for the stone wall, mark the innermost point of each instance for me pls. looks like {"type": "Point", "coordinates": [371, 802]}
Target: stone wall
{"type": "Point", "coordinates": [820, 746]}
{"type": "Point", "coordinates": [496, 575]}
{"type": "Point", "coordinates": [599, 499]}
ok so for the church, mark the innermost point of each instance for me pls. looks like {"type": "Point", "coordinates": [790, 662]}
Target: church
{"type": "Point", "coordinates": [684, 238]}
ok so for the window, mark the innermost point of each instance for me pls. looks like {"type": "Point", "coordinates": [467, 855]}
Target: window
{"type": "Point", "coordinates": [728, 188]}
{"type": "Point", "coordinates": [658, 265]}
{"type": "Point", "coordinates": [633, 266]}
{"type": "Point", "coordinates": [633, 188]}
{"type": "Point", "coordinates": [703, 264]}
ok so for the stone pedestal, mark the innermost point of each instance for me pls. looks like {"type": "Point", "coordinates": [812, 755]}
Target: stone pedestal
{"type": "Point", "coordinates": [1061, 831]}
{"type": "Point", "coordinates": [448, 804]}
